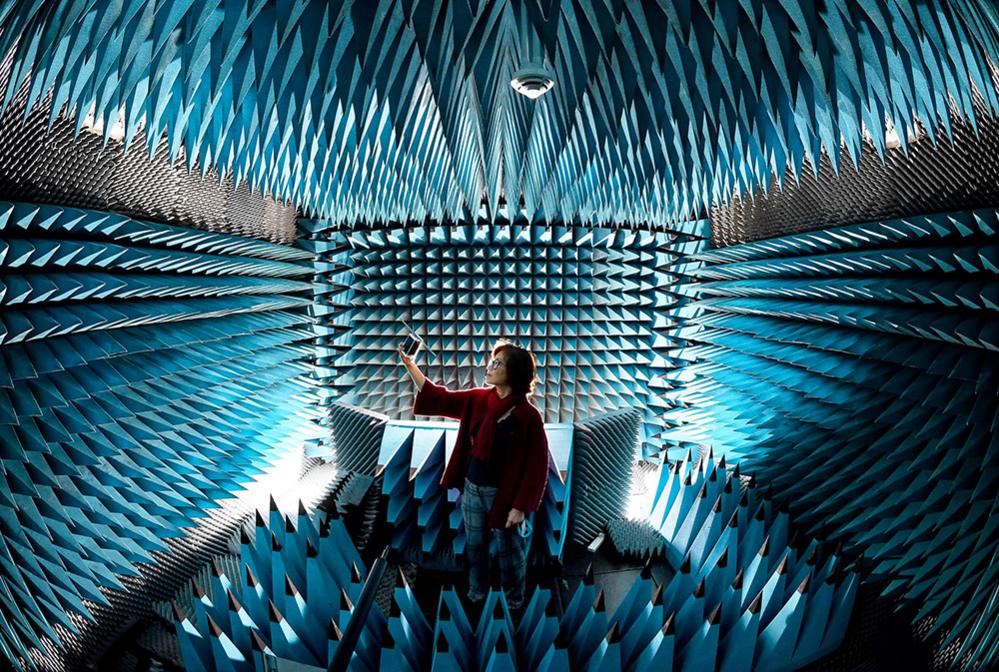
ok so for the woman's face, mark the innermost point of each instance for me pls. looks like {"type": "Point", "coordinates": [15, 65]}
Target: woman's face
{"type": "Point", "coordinates": [496, 370]}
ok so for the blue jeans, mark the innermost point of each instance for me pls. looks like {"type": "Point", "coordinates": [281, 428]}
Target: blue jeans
{"type": "Point", "coordinates": [475, 503]}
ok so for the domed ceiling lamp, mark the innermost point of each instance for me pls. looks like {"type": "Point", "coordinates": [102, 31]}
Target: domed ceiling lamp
{"type": "Point", "coordinates": [534, 78]}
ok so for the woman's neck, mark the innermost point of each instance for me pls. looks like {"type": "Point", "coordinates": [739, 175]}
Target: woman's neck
{"type": "Point", "coordinates": [502, 391]}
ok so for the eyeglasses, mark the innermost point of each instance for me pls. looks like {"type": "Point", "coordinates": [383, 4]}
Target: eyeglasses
{"type": "Point", "coordinates": [495, 364]}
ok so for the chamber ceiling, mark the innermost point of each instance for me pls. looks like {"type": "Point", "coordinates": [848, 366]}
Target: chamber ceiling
{"type": "Point", "coordinates": [402, 109]}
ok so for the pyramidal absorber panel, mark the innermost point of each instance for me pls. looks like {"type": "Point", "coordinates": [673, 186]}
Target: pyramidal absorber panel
{"type": "Point", "coordinates": [355, 435]}
{"type": "Point", "coordinates": [779, 605]}
{"type": "Point", "coordinates": [146, 372]}
{"type": "Point", "coordinates": [402, 110]}
{"type": "Point", "coordinates": [592, 304]}
{"type": "Point", "coordinates": [425, 518]}
{"type": "Point", "coordinates": [288, 595]}
{"type": "Point", "coordinates": [299, 597]}
{"type": "Point", "coordinates": [853, 370]}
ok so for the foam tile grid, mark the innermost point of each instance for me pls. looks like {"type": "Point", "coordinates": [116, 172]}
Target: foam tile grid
{"type": "Point", "coordinates": [595, 305]}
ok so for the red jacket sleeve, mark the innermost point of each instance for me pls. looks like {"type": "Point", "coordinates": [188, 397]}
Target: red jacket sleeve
{"type": "Point", "coordinates": [433, 399]}
{"type": "Point", "coordinates": [532, 486]}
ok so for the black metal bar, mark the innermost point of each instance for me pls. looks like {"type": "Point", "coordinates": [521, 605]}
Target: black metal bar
{"type": "Point", "coordinates": [341, 659]}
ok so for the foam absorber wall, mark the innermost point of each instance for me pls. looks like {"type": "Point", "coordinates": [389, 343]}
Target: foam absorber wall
{"type": "Point", "coordinates": [604, 448]}
{"type": "Point", "coordinates": [595, 305]}
{"type": "Point", "coordinates": [146, 372]}
{"type": "Point", "coordinates": [853, 370]}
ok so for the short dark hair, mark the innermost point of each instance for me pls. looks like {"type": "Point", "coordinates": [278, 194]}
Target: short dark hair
{"type": "Point", "coordinates": [521, 367]}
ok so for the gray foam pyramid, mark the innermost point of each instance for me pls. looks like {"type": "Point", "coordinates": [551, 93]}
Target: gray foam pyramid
{"type": "Point", "coordinates": [604, 448]}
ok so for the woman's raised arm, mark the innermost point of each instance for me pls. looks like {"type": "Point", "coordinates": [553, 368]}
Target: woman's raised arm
{"type": "Point", "coordinates": [414, 370]}
{"type": "Point", "coordinates": [433, 399]}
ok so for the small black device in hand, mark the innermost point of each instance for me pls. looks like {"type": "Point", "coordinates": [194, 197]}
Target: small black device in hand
{"type": "Point", "coordinates": [413, 342]}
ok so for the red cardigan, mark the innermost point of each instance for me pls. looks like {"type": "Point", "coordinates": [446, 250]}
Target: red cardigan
{"type": "Point", "coordinates": [525, 474]}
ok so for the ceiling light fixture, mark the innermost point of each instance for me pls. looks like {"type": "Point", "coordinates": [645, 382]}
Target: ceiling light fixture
{"type": "Point", "coordinates": [533, 80]}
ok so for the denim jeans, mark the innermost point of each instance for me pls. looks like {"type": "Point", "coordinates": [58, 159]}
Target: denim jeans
{"type": "Point", "coordinates": [475, 502]}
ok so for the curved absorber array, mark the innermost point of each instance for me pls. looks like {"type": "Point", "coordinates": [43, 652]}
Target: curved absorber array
{"type": "Point", "coordinates": [659, 109]}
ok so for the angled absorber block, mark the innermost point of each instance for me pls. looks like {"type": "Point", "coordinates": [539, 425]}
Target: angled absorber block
{"type": "Point", "coordinates": [408, 629]}
{"type": "Point", "coordinates": [604, 448]}
{"type": "Point", "coordinates": [850, 369]}
{"type": "Point", "coordinates": [583, 639]}
{"type": "Point", "coordinates": [434, 509]}
{"type": "Point", "coordinates": [410, 494]}
{"type": "Point", "coordinates": [194, 647]}
{"type": "Point", "coordinates": [659, 653]}
{"type": "Point", "coordinates": [646, 627]}
{"type": "Point", "coordinates": [739, 586]}
{"type": "Point", "coordinates": [494, 635]}
{"type": "Point", "coordinates": [452, 634]}
{"type": "Point", "coordinates": [582, 597]}
{"type": "Point", "coordinates": [632, 607]}
{"type": "Point", "coordinates": [539, 626]}
{"type": "Point", "coordinates": [635, 538]}
{"type": "Point", "coordinates": [397, 486]}
{"type": "Point", "coordinates": [540, 640]}
{"type": "Point", "coordinates": [251, 605]}
{"type": "Point", "coordinates": [356, 436]}
{"type": "Point", "coordinates": [588, 302]}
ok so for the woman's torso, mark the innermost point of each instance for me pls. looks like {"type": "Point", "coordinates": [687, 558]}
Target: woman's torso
{"type": "Point", "coordinates": [490, 473]}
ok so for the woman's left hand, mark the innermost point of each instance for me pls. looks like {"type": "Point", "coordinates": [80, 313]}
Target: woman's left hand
{"type": "Point", "coordinates": [515, 517]}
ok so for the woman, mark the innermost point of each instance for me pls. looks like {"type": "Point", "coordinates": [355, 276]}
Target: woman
{"type": "Point", "coordinates": [499, 462]}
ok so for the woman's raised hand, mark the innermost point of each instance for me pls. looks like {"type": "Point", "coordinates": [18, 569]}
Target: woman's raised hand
{"type": "Point", "coordinates": [406, 359]}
